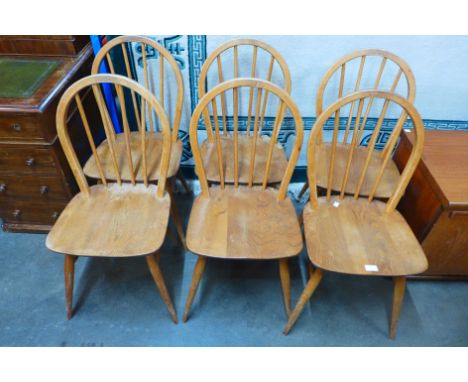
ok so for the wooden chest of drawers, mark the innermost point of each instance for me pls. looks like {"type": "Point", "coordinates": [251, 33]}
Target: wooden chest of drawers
{"type": "Point", "coordinates": [35, 180]}
{"type": "Point", "coordinates": [435, 203]}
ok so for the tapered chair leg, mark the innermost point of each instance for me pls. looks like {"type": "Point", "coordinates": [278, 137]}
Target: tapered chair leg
{"type": "Point", "coordinates": [197, 274]}
{"type": "Point", "coordinates": [175, 215]}
{"type": "Point", "coordinates": [398, 295]}
{"type": "Point", "coordinates": [153, 265]}
{"type": "Point", "coordinates": [303, 190]}
{"type": "Point", "coordinates": [69, 271]}
{"type": "Point", "coordinates": [285, 284]}
{"type": "Point", "coordinates": [182, 179]}
{"type": "Point", "coordinates": [306, 294]}
{"type": "Point", "coordinates": [311, 268]}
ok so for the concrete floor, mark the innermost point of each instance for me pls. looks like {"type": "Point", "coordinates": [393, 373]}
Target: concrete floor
{"type": "Point", "coordinates": [238, 304]}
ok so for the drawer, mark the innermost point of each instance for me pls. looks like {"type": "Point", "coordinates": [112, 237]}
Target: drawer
{"type": "Point", "coordinates": [24, 127]}
{"type": "Point", "coordinates": [20, 212]}
{"type": "Point", "coordinates": [27, 160]}
{"type": "Point", "coordinates": [37, 188]}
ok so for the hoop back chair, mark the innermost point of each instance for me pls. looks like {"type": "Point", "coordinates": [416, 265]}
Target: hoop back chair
{"type": "Point", "coordinates": [154, 141]}
{"type": "Point", "coordinates": [360, 235]}
{"type": "Point", "coordinates": [390, 68]}
{"type": "Point", "coordinates": [113, 219]}
{"type": "Point", "coordinates": [237, 50]}
{"type": "Point", "coordinates": [235, 221]}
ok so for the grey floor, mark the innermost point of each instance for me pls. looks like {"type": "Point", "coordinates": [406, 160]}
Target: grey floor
{"type": "Point", "coordinates": [238, 303]}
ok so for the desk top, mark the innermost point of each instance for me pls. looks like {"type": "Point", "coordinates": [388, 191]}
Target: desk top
{"type": "Point", "coordinates": [445, 160]}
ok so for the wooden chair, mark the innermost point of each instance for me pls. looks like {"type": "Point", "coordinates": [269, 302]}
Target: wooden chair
{"type": "Point", "coordinates": [119, 46]}
{"type": "Point", "coordinates": [390, 67]}
{"type": "Point", "coordinates": [240, 50]}
{"type": "Point", "coordinates": [114, 219]}
{"type": "Point", "coordinates": [243, 221]}
{"type": "Point", "coordinates": [361, 235]}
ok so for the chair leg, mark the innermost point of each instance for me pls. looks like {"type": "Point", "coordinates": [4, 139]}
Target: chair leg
{"type": "Point", "coordinates": [311, 268]}
{"type": "Point", "coordinates": [197, 274]}
{"type": "Point", "coordinates": [182, 179]}
{"type": "Point", "coordinates": [306, 294]}
{"type": "Point", "coordinates": [303, 189]}
{"type": "Point", "coordinates": [285, 284]}
{"type": "Point", "coordinates": [69, 271]}
{"type": "Point", "coordinates": [175, 215]}
{"type": "Point", "coordinates": [153, 265]}
{"type": "Point", "coordinates": [398, 294]}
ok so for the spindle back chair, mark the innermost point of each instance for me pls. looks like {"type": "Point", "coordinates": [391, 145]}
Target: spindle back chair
{"type": "Point", "coordinates": [388, 77]}
{"type": "Point", "coordinates": [167, 70]}
{"type": "Point", "coordinates": [240, 50]}
{"type": "Point", "coordinates": [234, 221]}
{"type": "Point", "coordinates": [113, 219]}
{"type": "Point", "coordinates": [360, 235]}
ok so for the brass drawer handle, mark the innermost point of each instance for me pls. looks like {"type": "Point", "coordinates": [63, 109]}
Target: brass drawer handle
{"type": "Point", "coordinates": [16, 126]}
{"type": "Point", "coordinates": [44, 190]}
{"type": "Point", "coordinates": [30, 162]}
{"type": "Point", "coordinates": [55, 215]}
{"type": "Point", "coordinates": [16, 213]}
{"type": "Point", "coordinates": [2, 187]}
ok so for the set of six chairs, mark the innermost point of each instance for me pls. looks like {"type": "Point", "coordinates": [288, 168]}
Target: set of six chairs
{"type": "Point", "coordinates": [350, 225]}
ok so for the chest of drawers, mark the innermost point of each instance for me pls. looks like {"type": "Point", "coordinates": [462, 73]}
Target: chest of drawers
{"type": "Point", "coordinates": [35, 180]}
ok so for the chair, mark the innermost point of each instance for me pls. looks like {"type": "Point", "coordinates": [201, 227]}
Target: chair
{"type": "Point", "coordinates": [359, 235]}
{"type": "Point", "coordinates": [234, 221]}
{"type": "Point", "coordinates": [390, 70]}
{"type": "Point", "coordinates": [262, 63]}
{"type": "Point", "coordinates": [113, 219]}
{"type": "Point", "coordinates": [118, 46]}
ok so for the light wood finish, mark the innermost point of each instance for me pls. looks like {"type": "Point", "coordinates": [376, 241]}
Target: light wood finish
{"type": "Point", "coordinates": [242, 162]}
{"type": "Point", "coordinates": [197, 274]}
{"type": "Point", "coordinates": [391, 172]}
{"type": "Point", "coordinates": [255, 118]}
{"type": "Point", "coordinates": [398, 294]}
{"type": "Point", "coordinates": [112, 219]}
{"type": "Point", "coordinates": [355, 235]}
{"type": "Point", "coordinates": [175, 214]}
{"type": "Point", "coordinates": [153, 158]}
{"type": "Point", "coordinates": [69, 272]}
{"type": "Point", "coordinates": [233, 221]}
{"type": "Point", "coordinates": [243, 223]}
{"type": "Point", "coordinates": [285, 284]}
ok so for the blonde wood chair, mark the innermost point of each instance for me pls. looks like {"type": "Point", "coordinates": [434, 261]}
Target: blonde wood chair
{"type": "Point", "coordinates": [260, 56]}
{"type": "Point", "coordinates": [113, 219]}
{"type": "Point", "coordinates": [359, 235]}
{"type": "Point", "coordinates": [234, 221]}
{"type": "Point", "coordinates": [167, 69]}
{"type": "Point", "coordinates": [375, 66]}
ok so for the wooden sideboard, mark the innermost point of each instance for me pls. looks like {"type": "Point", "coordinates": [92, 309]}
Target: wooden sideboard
{"type": "Point", "coordinates": [435, 203]}
{"type": "Point", "coordinates": [35, 180]}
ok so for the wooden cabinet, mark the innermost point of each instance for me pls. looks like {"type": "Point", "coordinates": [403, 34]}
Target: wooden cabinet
{"type": "Point", "coordinates": [36, 182]}
{"type": "Point", "coordinates": [436, 201]}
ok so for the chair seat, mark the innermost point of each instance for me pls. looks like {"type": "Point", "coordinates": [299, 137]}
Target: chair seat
{"type": "Point", "coordinates": [243, 223]}
{"type": "Point", "coordinates": [357, 237]}
{"type": "Point", "coordinates": [210, 157]}
{"type": "Point", "coordinates": [153, 158]}
{"type": "Point", "coordinates": [387, 184]}
{"type": "Point", "coordinates": [112, 221]}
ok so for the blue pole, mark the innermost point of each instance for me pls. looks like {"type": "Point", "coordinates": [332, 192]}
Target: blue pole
{"type": "Point", "coordinates": [110, 101]}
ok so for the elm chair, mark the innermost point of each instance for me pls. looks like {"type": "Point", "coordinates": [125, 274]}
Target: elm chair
{"type": "Point", "coordinates": [373, 69]}
{"type": "Point", "coordinates": [113, 219]}
{"type": "Point", "coordinates": [359, 235]}
{"type": "Point", "coordinates": [168, 70]}
{"type": "Point", "coordinates": [262, 60]}
{"type": "Point", "coordinates": [234, 221]}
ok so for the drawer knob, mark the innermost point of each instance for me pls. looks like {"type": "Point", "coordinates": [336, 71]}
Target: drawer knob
{"type": "Point", "coordinates": [30, 162]}
{"type": "Point", "coordinates": [44, 190]}
{"type": "Point", "coordinates": [2, 187]}
{"type": "Point", "coordinates": [16, 127]}
{"type": "Point", "coordinates": [16, 213]}
{"type": "Point", "coordinates": [55, 215]}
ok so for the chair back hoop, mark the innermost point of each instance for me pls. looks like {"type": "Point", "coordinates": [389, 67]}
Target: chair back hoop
{"type": "Point", "coordinates": [361, 97]}
{"type": "Point", "coordinates": [90, 87]}
{"type": "Point", "coordinates": [340, 65]}
{"type": "Point", "coordinates": [261, 86]}
{"type": "Point", "coordinates": [163, 55]}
